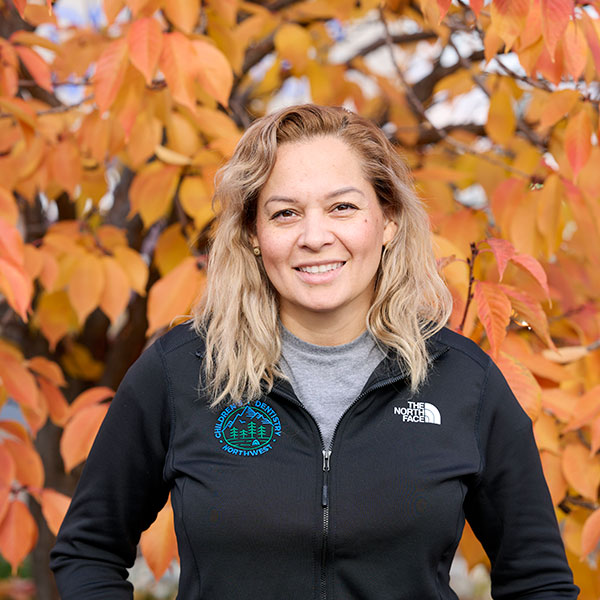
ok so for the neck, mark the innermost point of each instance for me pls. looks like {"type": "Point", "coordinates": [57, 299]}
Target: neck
{"type": "Point", "coordinates": [324, 330]}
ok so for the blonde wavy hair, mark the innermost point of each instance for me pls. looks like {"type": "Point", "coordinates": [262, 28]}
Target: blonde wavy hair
{"type": "Point", "coordinates": [238, 313]}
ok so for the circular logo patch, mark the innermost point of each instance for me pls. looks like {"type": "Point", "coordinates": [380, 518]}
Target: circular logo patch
{"type": "Point", "coordinates": [248, 430]}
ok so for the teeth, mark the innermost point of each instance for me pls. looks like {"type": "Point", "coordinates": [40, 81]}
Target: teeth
{"type": "Point", "coordinates": [321, 268]}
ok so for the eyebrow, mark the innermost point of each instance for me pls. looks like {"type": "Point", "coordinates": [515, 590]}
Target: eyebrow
{"type": "Point", "coordinates": [334, 194]}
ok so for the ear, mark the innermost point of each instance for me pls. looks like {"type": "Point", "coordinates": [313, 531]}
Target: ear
{"type": "Point", "coordinates": [253, 239]}
{"type": "Point", "coordinates": [389, 230]}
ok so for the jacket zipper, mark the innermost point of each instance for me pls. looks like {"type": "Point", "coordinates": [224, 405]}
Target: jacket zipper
{"type": "Point", "coordinates": [326, 466]}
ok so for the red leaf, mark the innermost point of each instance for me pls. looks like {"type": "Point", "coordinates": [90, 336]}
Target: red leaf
{"type": "Point", "coordinates": [578, 141]}
{"type": "Point", "coordinates": [18, 534]}
{"type": "Point", "coordinates": [476, 6]}
{"type": "Point", "coordinates": [533, 266]}
{"type": "Point", "coordinates": [20, 6]}
{"type": "Point", "coordinates": [37, 67]}
{"type": "Point", "coordinates": [110, 73]}
{"type": "Point", "coordinates": [79, 434]}
{"type": "Point", "coordinates": [493, 310]}
{"type": "Point", "coordinates": [503, 251]}
{"type": "Point", "coordinates": [158, 543]}
{"type": "Point", "coordinates": [145, 45]}
{"type": "Point", "coordinates": [555, 17]}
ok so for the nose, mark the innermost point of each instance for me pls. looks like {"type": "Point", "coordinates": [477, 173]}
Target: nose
{"type": "Point", "coordinates": [316, 231]}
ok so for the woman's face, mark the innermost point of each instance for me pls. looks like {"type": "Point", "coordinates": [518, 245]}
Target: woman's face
{"type": "Point", "coordinates": [320, 229]}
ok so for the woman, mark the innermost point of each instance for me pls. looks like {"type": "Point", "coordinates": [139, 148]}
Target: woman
{"type": "Point", "coordinates": [339, 435]}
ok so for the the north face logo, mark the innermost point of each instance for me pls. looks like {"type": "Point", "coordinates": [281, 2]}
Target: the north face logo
{"type": "Point", "coordinates": [419, 412]}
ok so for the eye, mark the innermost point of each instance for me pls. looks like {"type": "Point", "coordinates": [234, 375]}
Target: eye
{"type": "Point", "coordinates": [282, 215]}
{"type": "Point", "coordinates": [344, 207]}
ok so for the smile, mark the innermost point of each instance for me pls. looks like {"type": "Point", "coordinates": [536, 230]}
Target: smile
{"type": "Point", "coordinates": [320, 268]}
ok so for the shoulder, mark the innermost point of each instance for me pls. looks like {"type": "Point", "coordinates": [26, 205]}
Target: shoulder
{"type": "Point", "coordinates": [181, 338]}
{"type": "Point", "coordinates": [460, 347]}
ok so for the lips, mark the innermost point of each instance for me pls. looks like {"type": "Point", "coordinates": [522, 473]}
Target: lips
{"type": "Point", "coordinates": [324, 268]}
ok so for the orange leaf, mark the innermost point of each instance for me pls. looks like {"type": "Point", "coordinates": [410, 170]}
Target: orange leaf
{"type": "Point", "coordinates": [557, 484]}
{"type": "Point", "coordinates": [591, 35]}
{"type": "Point", "coordinates": [293, 43]}
{"type": "Point", "coordinates": [90, 397]}
{"type": "Point", "coordinates": [581, 470]}
{"type": "Point", "coordinates": [18, 381]}
{"type": "Point", "coordinates": [476, 6]}
{"type": "Point", "coordinates": [48, 369]}
{"type": "Point", "coordinates": [508, 18]}
{"type": "Point", "coordinates": [20, 6]}
{"type": "Point", "coordinates": [530, 310]}
{"type": "Point", "coordinates": [172, 295]}
{"type": "Point", "coordinates": [586, 409]}
{"type": "Point", "coordinates": [7, 475]}
{"type": "Point", "coordinates": [195, 201]}
{"type": "Point", "coordinates": [501, 121]}
{"type": "Point", "coordinates": [575, 50]}
{"type": "Point", "coordinates": [443, 5]}
{"type": "Point", "coordinates": [158, 543]}
{"type": "Point", "coordinates": [18, 534]}
{"type": "Point", "coordinates": [116, 292]}
{"type": "Point", "coordinates": [213, 71]}
{"type": "Point", "coordinates": [11, 243]}
{"type": "Point", "coordinates": [65, 165]}
{"type": "Point", "coordinates": [110, 73]}
{"type": "Point", "coordinates": [522, 383]}
{"type": "Point", "coordinates": [171, 248]}
{"type": "Point", "coordinates": [79, 434]}
{"type": "Point", "coordinates": [590, 536]}
{"type": "Point", "coordinates": [595, 436]}
{"type": "Point", "coordinates": [152, 191]}
{"type": "Point", "coordinates": [178, 66]}
{"type": "Point", "coordinates": [54, 508]}
{"type": "Point", "coordinates": [560, 403]}
{"type": "Point", "coordinates": [145, 44]}
{"type": "Point", "coordinates": [546, 433]}
{"type": "Point", "coordinates": [9, 212]}
{"type": "Point", "coordinates": [55, 401]}
{"type": "Point", "coordinates": [135, 268]}
{"type": "Point", "coordinates": [16, 287]}
{"type": "Point", "coordinates": [183, 14]}
{"type": "Point", "coordinates": [37, 67]}
{"type": "Point", "coordinates": [493, 310]}
{"type": "Point", "coordinates": [29, 467]}
{"type": "Point", "coordinates": [86, 285]}
{"type": "Point", "coordinates": [555, 17]}
{"type": "Point", "coordinates": [112, 8]}
{"type": "Point", "coordinates": [578, 142]}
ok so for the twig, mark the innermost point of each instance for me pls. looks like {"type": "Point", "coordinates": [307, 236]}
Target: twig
{"type": "Point", "coordinates": [54, 110]}
{"type": "Point", "coordinates": [471, 263]}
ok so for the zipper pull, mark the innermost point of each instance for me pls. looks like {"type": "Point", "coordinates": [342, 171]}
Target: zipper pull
{"type": "Point", "coordinates": [325, 492]}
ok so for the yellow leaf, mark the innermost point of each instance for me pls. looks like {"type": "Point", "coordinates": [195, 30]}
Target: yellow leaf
{"type": "Point", "coordinates": [213, 71]}
{"type": "Point", "coordinates": [182, 135]}
{"type": "Point", "coordinates": [171, 157]}
{"type": "Point", "coordinates": [171, 249]}
{"type": "Point", "coordinates": [152, 191]}
{"type": "Point", "coordinates": [501, 122]}
{"type": "Point", "coordinates": [134, 267]}
{"type": "Point", "coordinates": [557, 484]}
{"type": "Point", "coordinates": [581, 470]}
{"type": "Point", "coordinates": [79, 363]}
{"type": "Point", "coordinates": [79, 434]}
{"type": "Point", "coordinates": [293, 42]}
{"type": "Point", "coordinates": [55, 317]}
{"type": "Point", "coordinates": [158, 543]}
{"type": "Point", "coordinates": [65, 165]}
{"type": "Point", "coordinates": [86, 285]}
{"type": "Point", "coordinates": [18, 534]}
{"type": "Point", "coordinates": [116, 292]}
{"type": "Point", "coordinates": [508, 18]}
{"type": "Point", "coordinates": [172, 295]}
{"type": "Point", "coordinates": [145, 135]}
{"type": "Point", "coordinates": [546, 433]}
{"type": "Point", "coordinates": [183, 14]}
{"type": "Point", "coordinates": [195, 201]}
{"type": "Point", "coordinates": [558, 105]}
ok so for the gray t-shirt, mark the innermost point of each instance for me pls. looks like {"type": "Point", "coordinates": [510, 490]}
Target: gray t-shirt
{"type": "Point", "coordinates": [327, 379]}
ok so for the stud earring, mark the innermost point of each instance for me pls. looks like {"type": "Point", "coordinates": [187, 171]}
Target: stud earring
{"type": "Point", "coordinates": [256, 251]}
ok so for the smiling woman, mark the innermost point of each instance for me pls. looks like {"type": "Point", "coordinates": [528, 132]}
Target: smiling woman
{"type": "Point", "coordinates": [321, 432]}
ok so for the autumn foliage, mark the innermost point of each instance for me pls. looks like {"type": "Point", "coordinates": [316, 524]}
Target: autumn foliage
{"type": "Point", "coordinates": [110, 137]}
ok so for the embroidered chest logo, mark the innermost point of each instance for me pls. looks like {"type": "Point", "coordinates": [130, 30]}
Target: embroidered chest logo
{"type": "Point", "coordinates": [419, 412]}
{"type": "Point", "coordinates": [248, 430]}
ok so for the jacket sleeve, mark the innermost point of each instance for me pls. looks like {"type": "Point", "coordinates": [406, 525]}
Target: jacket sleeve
{"type": "Point", "coordinates": [121, 488]}
{"type": "Point", "coordinates": [509, 506]}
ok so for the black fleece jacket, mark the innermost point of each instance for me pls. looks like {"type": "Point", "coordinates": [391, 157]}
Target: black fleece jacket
{"type": "Point", "coordinates": [262, 510]}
